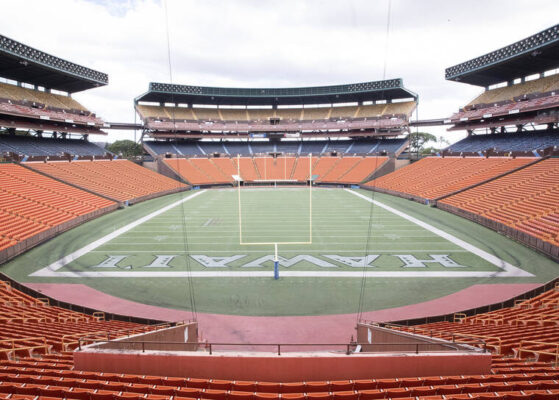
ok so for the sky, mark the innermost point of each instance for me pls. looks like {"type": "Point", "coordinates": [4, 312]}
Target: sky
{"type": "Point", "coordinates": [275, 43]}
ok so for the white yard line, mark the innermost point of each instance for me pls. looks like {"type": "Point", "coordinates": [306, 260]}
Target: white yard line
{"type": "Point", "coordinates": [270, 274]}
{"type": "Point", "coordinates": [47, 271]}
{"type": "Point", "coordinates": [209, 251]}
{"type": "Point", "coordinates": [508, 270]}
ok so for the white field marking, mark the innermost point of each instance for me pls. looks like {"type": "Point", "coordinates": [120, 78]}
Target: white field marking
{"type": "Point", "coordinates": [167, 243]}
{"type": "Point", "coordinates": [150, 231]}
{"type": "Point", "coordinates": [197, 226]}
{"type": "Point", "coordinates": [340, 237]}
{"type": "Point", "coordinates": [160, 221]}
{"type": "Point", "coordinates": [508, 270]}
{"type": "Point", "coordinates": [47, 271]}
{"type": "Point", "coordinates": [193, 242]}
{"type": "Point", "coordinates": [270, 274]}
{"type": "Point", "coordinates": [359, 251]}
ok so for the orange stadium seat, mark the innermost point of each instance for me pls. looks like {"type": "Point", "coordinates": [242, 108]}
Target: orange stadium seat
{"type": "Point", "coordinates": [121, 180]}
{"type": "Point", "coordinates": [31, 203]}
{"type": "Point", "coordinates": [525, 200]}
{"type": "Point", "coordinates": [32, 327]}
{"type": "Point", "coordinates": [353, 170]}
{"type": "Point", "coordinates": [434, 177]}
{"type": "Point", "coordinates": [505, 331]}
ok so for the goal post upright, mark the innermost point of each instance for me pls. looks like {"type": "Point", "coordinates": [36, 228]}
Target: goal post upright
{"type": "Point", "coordinates": [310, 197]}
{"type": "Point", "coordinates": [239, 198]}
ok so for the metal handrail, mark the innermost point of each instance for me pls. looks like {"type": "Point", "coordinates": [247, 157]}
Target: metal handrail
{"type": "Point", "coordinates": [555, 353]}
{"type": "Point", "coordinates": [278, 346]}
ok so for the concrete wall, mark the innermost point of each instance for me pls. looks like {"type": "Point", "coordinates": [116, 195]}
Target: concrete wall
{"type": "Point", "coordinates": [389, 340]}
{"type": "Point", "coordinates": [150, 165]}
{"type": "Point", "coordinates": [285, 368]}
{"type": "Point", "coordinates": [400, 164]}
{"type": "Point", "coordinates": [169, 339]}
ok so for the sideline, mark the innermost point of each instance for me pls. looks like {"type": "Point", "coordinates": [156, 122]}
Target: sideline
{"type": "Point", "coordinates": [52, 268]}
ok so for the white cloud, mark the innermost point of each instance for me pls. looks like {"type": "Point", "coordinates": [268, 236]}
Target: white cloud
{"type": "Point", "coordinates": [273, 43]}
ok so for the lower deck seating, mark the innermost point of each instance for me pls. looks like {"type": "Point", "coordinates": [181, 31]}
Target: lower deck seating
{"type": "Point", "coordinates": [121, 180]}
{"type": "Point", "coordinates": [29, 326]}
{"type": "Point", "coordinates": [353, 170]}
{"type": "Point", "coordinates": [434, 177]}
{"type": "Point", "coordinates": [31, 203]}
{"type": "Point", "coordinates": [35, 375]}
{"type": "Point", "coordinates": [526, 200]}
{"type": "Point", "coordinates": [532, 324]}
{"type": "Point", "coordinates": [212, 171]}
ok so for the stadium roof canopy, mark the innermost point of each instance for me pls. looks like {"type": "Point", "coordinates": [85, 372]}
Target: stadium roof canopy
{"type": "Point", "coordinates": [355, 92]}
{"type": "Point", "coordinates": [22, 63]}
{"type": "Point", "coordinates": [535, 54]}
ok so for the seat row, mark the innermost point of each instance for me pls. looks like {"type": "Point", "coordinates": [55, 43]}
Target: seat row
{"type": "Point", "coordinates": [211, 171]}
{"type": "Point", "coordinates": [121, 180]}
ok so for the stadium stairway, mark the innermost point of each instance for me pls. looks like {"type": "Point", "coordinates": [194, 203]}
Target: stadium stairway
{"type": "Point", "coordinates": [258, 173]}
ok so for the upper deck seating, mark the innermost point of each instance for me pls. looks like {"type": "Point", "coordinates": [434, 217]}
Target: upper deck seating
{"type": "Point", "coordinates": [509, 93]}
{"type": "Point", "coordinates": [21, 101]}
{"type": "Point", "coordinates": [535, 95]}
{"type": "Point", "coordinates": [248, 148]}
{"type": "Point", "coordinates": [524, 141]}
{"type": "Point", "coordinates": [34, 146]}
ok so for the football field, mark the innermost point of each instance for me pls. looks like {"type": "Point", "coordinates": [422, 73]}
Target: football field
{"type": "Point", "coordinates": [330, 242]}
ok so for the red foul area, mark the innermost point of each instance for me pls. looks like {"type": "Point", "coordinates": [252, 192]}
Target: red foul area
{"type": "Point", "coordinates": [335, 328]}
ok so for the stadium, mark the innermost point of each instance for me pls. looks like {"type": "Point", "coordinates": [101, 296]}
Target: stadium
{"type": "Point", "coordinates": [280, 242]}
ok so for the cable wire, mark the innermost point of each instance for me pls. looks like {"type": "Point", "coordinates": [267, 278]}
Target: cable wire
{"type": "Point", "coordinates": [362, 291]}
{"type": "Point", "coordinates": [190, 283]}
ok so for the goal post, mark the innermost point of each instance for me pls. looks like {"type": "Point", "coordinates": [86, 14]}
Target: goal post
{"type": "Point", "coordinates": [275, 243]}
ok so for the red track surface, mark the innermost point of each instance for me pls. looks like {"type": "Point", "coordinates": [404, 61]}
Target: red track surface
{"type": "Point", "coordinates": [336, 328]}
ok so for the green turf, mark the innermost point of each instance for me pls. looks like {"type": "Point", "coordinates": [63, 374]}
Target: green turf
{"type": "Point", "coordinates": [340, 227]}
